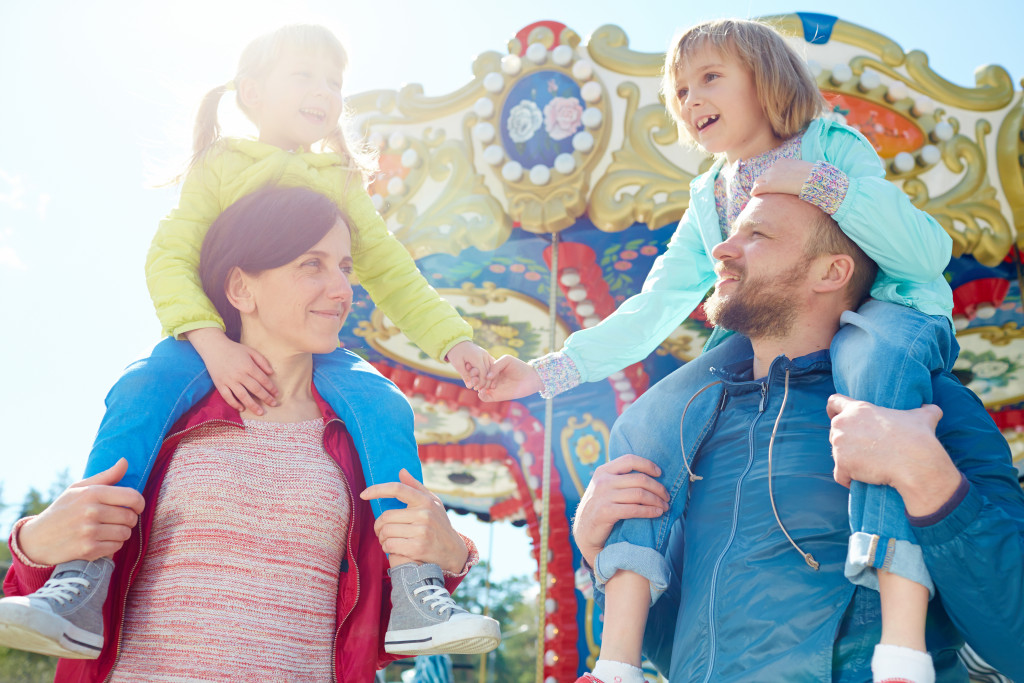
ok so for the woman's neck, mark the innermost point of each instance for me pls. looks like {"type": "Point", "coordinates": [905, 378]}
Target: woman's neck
{"type": "Point", "coordinates": [293, 378]}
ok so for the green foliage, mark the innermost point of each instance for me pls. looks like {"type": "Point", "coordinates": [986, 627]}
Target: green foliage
{"type": "Point", "coordinates": [17, 666]}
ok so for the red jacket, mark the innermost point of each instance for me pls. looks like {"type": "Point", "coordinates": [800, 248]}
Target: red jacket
{"type": "Point", "coordinates": [364, 590]}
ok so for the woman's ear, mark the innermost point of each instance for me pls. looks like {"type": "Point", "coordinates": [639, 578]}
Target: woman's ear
{"type": "Point", "coordinates": [835, 272]}
{"type": "Point", "coordinates": [239, 291]}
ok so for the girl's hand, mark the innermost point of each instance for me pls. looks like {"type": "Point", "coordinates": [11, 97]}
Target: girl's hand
{"type": "Point", "coordinates": [510, 378]}
{"type": "Point", "coordinates": [422, 531]}
{"type": "Point", "coordinates": [241, 374]}
{"type": "Point", "coordinates": [786, 176]}
{"type": "Point", "coordinates": [471, 362]}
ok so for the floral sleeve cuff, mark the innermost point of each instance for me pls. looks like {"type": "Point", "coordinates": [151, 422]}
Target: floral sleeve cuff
{"type": "Point", "coordinates": [16, 548]}
{"type": "Point", "coordinates": [825, 187]}
{"type": "Point", "coordinates": [557, 373]}
{"type": "Point", "coordinates": [471, 559]}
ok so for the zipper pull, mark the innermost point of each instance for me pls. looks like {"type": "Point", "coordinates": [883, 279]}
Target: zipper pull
{"type": "Point", "coordinates": [764, 396]}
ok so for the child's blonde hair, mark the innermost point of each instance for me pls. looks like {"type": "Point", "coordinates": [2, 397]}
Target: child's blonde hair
{"type": "Point", "coordinates": [257, 59]}
{"type": "Point", "coordinates": [786, 90]}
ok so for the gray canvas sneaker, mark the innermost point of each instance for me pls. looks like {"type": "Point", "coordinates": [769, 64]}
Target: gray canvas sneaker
{"type": "Point", "coordinates": [64, 618]}
{"type": "Point", "coordinates": [425, 620]}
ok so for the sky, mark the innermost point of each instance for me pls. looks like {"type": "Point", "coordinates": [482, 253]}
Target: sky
{"type": "Point", "coordinates": [97, 106]}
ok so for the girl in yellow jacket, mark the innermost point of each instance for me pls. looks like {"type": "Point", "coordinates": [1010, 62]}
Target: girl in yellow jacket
{"type": "Point", "coordinates": [289, 84]}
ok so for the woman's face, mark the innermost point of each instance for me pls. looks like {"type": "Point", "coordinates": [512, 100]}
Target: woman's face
{"type": "Point", "coordinates": [300, 307]}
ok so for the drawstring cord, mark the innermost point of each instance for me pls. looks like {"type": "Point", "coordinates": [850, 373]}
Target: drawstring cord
{"type": "Point", "coordinates": [808, 558]}
{"type": "Point", "coordinates": [682, 446]}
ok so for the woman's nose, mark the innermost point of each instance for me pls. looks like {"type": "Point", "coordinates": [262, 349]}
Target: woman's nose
{"type": "Point", "coordinates": [340, 287]}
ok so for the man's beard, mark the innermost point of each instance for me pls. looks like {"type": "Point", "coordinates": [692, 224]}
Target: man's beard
{"type": "Point", "coordinates": [759, 308]}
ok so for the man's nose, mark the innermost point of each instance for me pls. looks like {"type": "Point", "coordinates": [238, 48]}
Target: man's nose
{"type": "Point", "coordinates": [723, 251]}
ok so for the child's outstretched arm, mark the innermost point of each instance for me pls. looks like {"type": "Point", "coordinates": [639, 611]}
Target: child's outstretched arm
{"type": "Point", "coordinates": [390, 276]}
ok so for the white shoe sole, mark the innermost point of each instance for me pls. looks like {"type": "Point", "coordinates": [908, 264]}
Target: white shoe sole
{"type": "Point", "coordinates": [25, 628]}
{"type": "Point", "coordinates": [460, 637]}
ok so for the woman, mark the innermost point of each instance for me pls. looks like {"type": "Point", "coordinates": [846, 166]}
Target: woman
{"type": "Point", "coordinates": [252, 558]}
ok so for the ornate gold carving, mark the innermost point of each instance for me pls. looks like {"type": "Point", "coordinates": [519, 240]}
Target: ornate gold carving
{"type": "Point", "coordinates": [641, 184]}
{"type": "Point", "coordinates": [570, 428]}
{"type": "Point", "coordinates": [549, 208]}
{"type": "Point", "coordinates": [411, 106]}
{"type": "Point", "coordinates": [437, 423]}
{"type": "Point", "coordinates": [609, 47]}
{"type": "Point", "coordinates": [461, 213]}
{"type": "Point", "coordinates": [1010, 162]}
{"type": "Point", "coordinates": [995, 87]}
{"type": "Point", "coordinates": [972, 202]}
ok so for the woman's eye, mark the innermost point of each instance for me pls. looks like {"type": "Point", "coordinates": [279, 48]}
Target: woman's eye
{"type": "Point", "coordinates": [348, 270]}
{"type": "Point", "coordinates": [312, 263]}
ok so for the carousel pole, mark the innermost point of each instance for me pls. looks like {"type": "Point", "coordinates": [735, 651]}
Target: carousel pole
{"type": "Point", "coordinates": [542, 552]}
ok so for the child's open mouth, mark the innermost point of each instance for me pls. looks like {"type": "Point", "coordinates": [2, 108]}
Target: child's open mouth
{"type": "Point", "coordinates": [706, 121]}
{"type": "Point", "coordinates": [317, 115]}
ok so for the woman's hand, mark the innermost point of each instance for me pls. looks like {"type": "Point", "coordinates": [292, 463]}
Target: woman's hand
{"type": "Point", "coordinates": [91, 519]}
{"type": "Point", "coordinates": [510, 378]}
{"type": "Point", "coordinates": [241, 374]}
{"type": "Point", "coordinates": [422, 531]}
{"type": "Point", "coordinates": [471, 362]}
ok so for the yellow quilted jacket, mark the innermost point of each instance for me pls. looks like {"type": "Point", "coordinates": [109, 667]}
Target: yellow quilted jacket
{"type": "Point", "coordinates": [238, 167]}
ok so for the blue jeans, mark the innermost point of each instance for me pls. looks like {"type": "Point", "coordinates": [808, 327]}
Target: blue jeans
{"type": "Point", "coordinates": [884, 353]}
{"type": "Point", "coordinates": [156, 392]}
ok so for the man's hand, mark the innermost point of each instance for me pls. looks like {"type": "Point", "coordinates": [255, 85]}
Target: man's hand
{"type": "Point", "coordinates": [510, 378]}
{"type": "Point", "coordinates": [241, 374]}
{"type": "Point", "coordinates": [91, 519]}
{"type": "Point", "coordinates": [786, 176]}
{"type": "Point", "coordinates": [422, 531]}
{"type": "Point", "coordinates": [624, 488]}
{"type": "Point", "coordinates": [471, 362]}
{"type": "Point", "coordinates": [895, 448]}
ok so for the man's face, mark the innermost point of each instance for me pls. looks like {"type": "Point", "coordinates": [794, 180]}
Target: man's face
{"type": "Point", "coordinates": [762, 268]}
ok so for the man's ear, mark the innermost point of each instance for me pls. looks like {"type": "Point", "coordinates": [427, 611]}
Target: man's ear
{"type": "Point", "coordinates": [835, 272]}
{"type": "Point", "coordinates": [239, 291]}
{"type": "Point", "coordinates": [250, 93]}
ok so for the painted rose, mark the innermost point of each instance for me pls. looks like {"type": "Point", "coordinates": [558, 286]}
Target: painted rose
{"type": "Point", "coordinates": [562, 117]}
{"type": "Point", "coordinates": [524, 120]}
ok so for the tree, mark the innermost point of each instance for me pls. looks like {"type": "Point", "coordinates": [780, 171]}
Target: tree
{"type": "Point", "coordinates": [17, 666]}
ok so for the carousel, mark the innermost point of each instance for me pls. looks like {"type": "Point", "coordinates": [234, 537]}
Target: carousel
{"type": "Point", "coordinates": [535, 199]}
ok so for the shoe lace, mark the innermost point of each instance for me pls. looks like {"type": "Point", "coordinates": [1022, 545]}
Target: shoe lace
{"type": "Point", "coordinates": [438, 597]}
{"type": "Point", "coordinates": [63, 590]}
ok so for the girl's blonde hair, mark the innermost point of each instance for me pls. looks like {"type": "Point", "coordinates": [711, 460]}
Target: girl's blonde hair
{"type": "Point", "coordinates": [786, 90]}
{"type": "Point", "coordinates": [257, 59]}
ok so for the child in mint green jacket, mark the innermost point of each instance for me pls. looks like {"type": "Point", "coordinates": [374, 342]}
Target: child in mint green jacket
{"type": "Point", "coordinates": [738, 91]}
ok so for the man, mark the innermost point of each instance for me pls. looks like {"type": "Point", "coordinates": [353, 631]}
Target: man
{"type": "Point", "coordinates": [755, 583]}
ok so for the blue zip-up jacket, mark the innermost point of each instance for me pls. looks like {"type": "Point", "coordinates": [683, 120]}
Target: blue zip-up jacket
{"type": "Point", "coordinates": [909, 246]}
{"type": "Point", "coordinates": [743, 605]}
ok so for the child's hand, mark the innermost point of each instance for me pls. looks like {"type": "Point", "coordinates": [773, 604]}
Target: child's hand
{"type": "Point", "coordinates": [240, 374]}
{"type": "Point", "coordinates": [786, 176]}
{"type": "Point", "coordinates": [471, 362]}
{"type": "Point", "coordinates": [510, 378]}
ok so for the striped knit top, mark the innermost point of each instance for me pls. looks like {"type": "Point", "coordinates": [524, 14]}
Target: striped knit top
{"type": "Point", "coordinates": [240, 578]}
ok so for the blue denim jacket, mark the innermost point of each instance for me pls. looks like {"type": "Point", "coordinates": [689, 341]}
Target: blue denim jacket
{"type": "Point", "coordinates": [742, 604]}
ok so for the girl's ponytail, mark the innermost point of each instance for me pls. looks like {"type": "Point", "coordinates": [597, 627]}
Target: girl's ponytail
{"type": "Point", "coordinates": [207, 130]}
